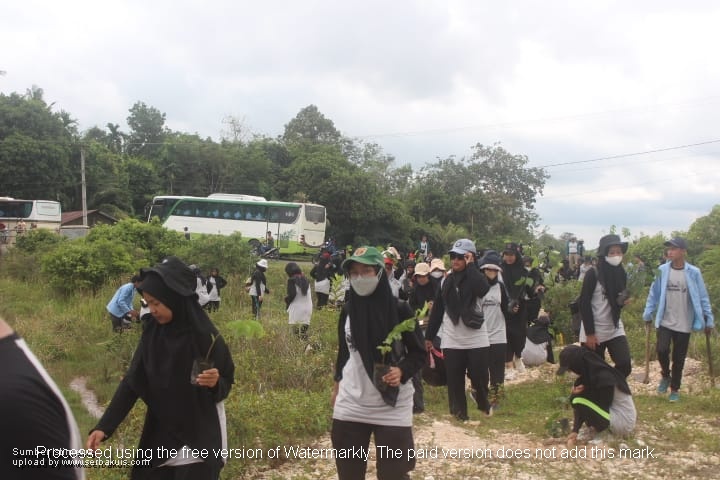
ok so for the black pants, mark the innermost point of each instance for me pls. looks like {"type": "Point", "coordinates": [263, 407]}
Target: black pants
{"type": "Point", "coordinates": [680, 342]}
{"type": "Point", "coordinates": [256, 305]}
{"type": "Point", "coordinates": [516, 331]}
{"type": "Point", "coordinates": [475, 362]}
{"type": "Point", "coordinates": [419, 395]}
{"type": "Point", "coordinates": [193, 471]}
{"type": "Point", "coordinates": [301, 331]}
{"type": "Point", "coordinates": [322, 299]}
{"type": "Point", "coordinates": [346, 435]}
{"type": "Point", "coordinates": [619, 351]}
{"type": "Point", "coordinates": [496, 364]}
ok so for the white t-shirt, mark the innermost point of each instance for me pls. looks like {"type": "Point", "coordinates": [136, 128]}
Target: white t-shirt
{"type": "Point", "coordinates": [462, 337]}
{"type": "Point", "coordinates": [359, 401]}
{"type": "Point", "coordinates": [300, 309]}
{"type": "Point", "coordinates": [602, 313]}
{"type": "Point", "coordinates": [494, 318]}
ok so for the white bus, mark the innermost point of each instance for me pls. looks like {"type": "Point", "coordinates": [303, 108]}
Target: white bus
{"type": "Point", "coordinates": [18, 216]}
{"type": "Point", "coordinates": [296, 227]}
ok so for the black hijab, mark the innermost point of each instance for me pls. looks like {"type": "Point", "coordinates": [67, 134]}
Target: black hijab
{"type": "Point", "coordinates": [160, 369]}
{"type": "Point", "coordinates": [513, 274]}
{"type": "Point", "coordinates": [461, 289]}
{"type": "Point", "coordinates": [296, 276]}
{"type": "Point", "coordinates": [594, 371]}
{"type": "Point", "coordinates": [371, 319]}
{"type": "Point", "coordinates": [613, 281]}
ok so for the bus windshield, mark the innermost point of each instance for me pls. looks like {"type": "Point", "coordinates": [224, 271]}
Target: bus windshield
{"type": "Point", "coordinates": [15, 208]}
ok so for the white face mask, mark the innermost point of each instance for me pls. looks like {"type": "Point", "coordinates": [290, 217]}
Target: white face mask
{"type": "Point", "coordinates": [437, 274]}
{"type": "Point", "coordinates": [614, 261]}
{"type": "Point", "coordinates": [365, 286]}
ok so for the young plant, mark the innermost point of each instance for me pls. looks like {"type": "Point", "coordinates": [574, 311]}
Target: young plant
{"type": "Point", "coordinates": [395, 334]}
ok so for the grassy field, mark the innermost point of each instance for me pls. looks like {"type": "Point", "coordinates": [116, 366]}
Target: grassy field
{"type": "Point", "coordinates": [281, 392]}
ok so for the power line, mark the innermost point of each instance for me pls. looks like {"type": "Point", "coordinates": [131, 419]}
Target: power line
{"type": "Point", "coordinates": [633, 154]}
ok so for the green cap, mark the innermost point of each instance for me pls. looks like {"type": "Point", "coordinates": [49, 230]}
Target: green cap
{"type": "Point", "coordinates": [366, 255]}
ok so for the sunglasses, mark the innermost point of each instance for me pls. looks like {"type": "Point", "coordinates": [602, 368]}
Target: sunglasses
{"type": "Point", "coordinates": [457, 256]}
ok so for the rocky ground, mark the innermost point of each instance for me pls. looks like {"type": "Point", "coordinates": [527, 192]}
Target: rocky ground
{"type": "Point", "coordinates": [488, 447]}
{"type": "Point", "coordinates": [487, 444]}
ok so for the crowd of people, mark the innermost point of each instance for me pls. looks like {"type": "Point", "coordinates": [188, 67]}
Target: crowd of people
{"type": "Point", "coordinates": [483, 315]}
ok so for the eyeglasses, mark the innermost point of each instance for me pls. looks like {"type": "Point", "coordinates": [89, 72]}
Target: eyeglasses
{"type": "Point", "coordinates": [457, 256]}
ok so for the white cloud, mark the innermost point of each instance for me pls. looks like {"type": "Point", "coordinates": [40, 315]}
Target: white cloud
{"type": "Point", "coordinates": [558, 81]}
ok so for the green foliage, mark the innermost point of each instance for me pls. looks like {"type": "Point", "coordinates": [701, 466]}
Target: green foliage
{"type": "Point", "coordinates": [38, 240]}
{"type": "Point", "coordinates": [229, 254]}
{"type": "Point", "coordinates": [556, 303]}
{"type": "Point", "coordinates": [245, 329]}
{"type": "Point", "coordinates": [395, 334]}
{"type": "Point", "coordinates": [152, 240]}
{"type": "Point", "coordinates": [86, 265]}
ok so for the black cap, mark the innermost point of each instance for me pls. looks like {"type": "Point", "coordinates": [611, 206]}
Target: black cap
{"type": "Point", "coordinates": [677, 242]}
{"type": "Point", "coordinates": [608, 241]}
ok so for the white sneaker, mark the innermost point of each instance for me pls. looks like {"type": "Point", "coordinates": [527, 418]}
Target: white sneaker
{"type": "Point", "coordinates": [519, 365]}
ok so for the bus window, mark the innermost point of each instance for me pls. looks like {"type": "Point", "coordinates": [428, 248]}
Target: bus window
{"type": "Point", "coordinates": [284, 214]}
{"type": "Point", "coordinates": [315, 214]}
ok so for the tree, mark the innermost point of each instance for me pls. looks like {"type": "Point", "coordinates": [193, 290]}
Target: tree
{"type": "Point", "coordinates": [706, 230]}
{"type": "Point", "coordinates": [311, 126]}
{"type": "Point", "coordinates": [147, 131]}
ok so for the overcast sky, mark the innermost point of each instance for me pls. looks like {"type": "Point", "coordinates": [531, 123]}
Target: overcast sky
{"type": "Point", "coordinates": [618, 100]}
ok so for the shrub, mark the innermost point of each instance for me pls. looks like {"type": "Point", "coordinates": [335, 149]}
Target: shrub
{"type": "Point", "coordinates": [230, 254]}
{"type": "Point", "coordinates": [38, 240]}
{"type": "Point", "coordinates": [152, 238]}
{"type": "Point", "coordinates": [81, 264]}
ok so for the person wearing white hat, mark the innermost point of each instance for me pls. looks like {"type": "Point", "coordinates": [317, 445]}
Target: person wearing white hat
{"type": "Point", "coordinates": [258, 286]}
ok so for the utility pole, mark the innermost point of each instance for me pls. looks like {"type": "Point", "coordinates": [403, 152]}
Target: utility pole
{"type": "Point", "coordinates": [84, 195]}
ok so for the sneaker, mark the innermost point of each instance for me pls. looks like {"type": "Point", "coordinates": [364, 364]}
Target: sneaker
{"type": "Point", "coordinates": [674, 397]}
{"type": "Point", "coordinates": [664, 384]}
{"type": "Point", "coordinates": [519, 365]}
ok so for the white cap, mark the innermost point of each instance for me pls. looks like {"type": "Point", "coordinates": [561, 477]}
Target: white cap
{"type": "Point", "coordinates": [262, 263]}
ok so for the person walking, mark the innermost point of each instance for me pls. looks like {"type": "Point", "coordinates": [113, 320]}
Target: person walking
{"type": "Point", "coordinates": [322, 273]}
{"type": "Point", "coordinates": [494, 307]}
{"type": "Point", "coordinates": [602, 297]}
{"type": "Point", "coordinates": [363, 407]}
{"type": "Point", "coordinates": [465, 343]}
{"type": "Point", "coordinates": [120, 307]}
{"type": "Point", "coordinates": [258, 286]}
{"type": "Point", "coordinates": [681, 304]}
{"type": "Point", "coordinates": [298, 300]}
{"type": "Point", "coordinates": [185, 410]}
{"type": "Point", "coordinates": [515, 278]}
{"type": "Point", "coordinates": [214, 284]}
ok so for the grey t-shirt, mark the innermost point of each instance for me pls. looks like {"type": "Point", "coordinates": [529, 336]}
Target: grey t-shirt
{"type": "Point", "coordinates": [677, 303]}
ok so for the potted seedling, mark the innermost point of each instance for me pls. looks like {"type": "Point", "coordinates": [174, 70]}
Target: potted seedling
{"type": "Point", "coordinates": [202, 364]}
{"type": "Point", "coordinates": [386, 347]}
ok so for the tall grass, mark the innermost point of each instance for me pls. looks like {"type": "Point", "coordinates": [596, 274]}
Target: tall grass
{"type": "Point", "coordinates": [281, 392]}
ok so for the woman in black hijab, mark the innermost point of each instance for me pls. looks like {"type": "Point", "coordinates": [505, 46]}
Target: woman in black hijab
{"type": "Point", "coordinates": [600, 396]}
{"type": "Point", "coordinates": [602, 297]}
{"type": "Point", "coordinates": [182, 413]}
{"type": "Point", "coordinates": [362, 405]}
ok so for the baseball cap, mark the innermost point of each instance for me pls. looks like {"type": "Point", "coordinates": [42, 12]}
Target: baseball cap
{"type": "Point", "coordinates": [365, 255]}
{"type": "Point", "coordinates": [436, 264]}
{"type": "Point", "coordinates": [511, 247]}
{"type": "Point", "coordinates": [422, 269]}
{"type": "Point", "coordinates": [463, 246]}
{"type": "Point", "coordinates": [566, 357]}
{"type": "Point", "coordinates": [491, 260]}
{"type": "Point", "coordinates": [677, 242]}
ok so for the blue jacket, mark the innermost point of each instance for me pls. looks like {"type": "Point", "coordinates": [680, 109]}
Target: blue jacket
{"type": "Point", "coordinates": [122, 302]}
{"type": "Point", "coordinates": [702, 312]}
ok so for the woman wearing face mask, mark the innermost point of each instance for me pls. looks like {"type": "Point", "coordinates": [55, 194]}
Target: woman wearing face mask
{"type": "Point", "coordinates": [601, 299]}
{"type": "Point", "coordinates": [360, 408]}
